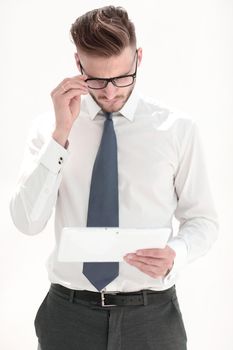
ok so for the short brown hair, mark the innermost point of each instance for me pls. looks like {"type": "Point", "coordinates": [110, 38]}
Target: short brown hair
{"type": "Point", "coordinates": [104, 31]}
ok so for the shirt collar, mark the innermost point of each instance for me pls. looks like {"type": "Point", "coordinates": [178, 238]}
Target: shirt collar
{"type": "Point", "coordinates": [92, 107]}
{"type": "Point", "coordinates": [128, 110]}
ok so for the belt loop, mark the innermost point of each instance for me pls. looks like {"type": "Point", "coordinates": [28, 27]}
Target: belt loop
{"type": "Point", "coordinates": [71, 298]}
{"type": "Point", "coordinates": [145, 301]}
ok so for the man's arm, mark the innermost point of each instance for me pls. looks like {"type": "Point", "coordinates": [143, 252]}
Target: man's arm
{"type": "Point", "coordinates": [195, 211]}
{"type": "Point", "coordinates": [33, 201]}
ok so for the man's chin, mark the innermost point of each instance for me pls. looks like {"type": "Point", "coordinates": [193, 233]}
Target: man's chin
{"type": "Point", "coordinates": [112, 105]}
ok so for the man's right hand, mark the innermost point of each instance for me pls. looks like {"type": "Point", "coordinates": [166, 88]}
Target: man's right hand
{"type": "Point", "coordinates": [66, 100]}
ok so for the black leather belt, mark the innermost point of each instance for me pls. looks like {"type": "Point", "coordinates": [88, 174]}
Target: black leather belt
{"type": "Point", "coordinates": [106, 299]}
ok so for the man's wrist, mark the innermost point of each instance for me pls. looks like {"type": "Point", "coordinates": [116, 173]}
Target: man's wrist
{"type": "Point", "coordinates": [169, 270]}
{"type": "Point", "coordinates": [61, 138]}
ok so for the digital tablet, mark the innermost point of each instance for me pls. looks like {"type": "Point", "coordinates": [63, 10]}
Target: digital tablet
{"type": "Point", "coordinates": [95, 244]}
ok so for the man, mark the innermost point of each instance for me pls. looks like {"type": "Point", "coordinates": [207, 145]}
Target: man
{"type": "Point", "coordinates": [112, 158]}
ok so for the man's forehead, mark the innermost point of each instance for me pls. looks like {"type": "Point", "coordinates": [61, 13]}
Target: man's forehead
{"type": "Point", "coordinates": [98, 66]}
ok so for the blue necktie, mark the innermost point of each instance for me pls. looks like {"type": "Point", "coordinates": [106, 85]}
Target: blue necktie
{"type": "Point", "coordinates": [103, 207]}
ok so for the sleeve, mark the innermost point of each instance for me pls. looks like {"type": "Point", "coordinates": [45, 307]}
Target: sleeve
{"type": "Point", "coordinates": [195, 211]}
{"type": "Point", "coordinates": [35, 195]}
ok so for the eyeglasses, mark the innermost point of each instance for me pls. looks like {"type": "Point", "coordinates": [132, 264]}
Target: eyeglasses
{"type": "Point", "coordinates": [120, 81]}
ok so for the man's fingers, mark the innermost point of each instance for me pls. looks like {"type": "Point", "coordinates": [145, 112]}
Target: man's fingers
{"type": "Point", "coordinates": [69, 83]}
{"type": "Point", "coordinates": [63, 89]}
{"type": "Point", "coordinates": [156, 252]}
{"type": "Point", "coordinates": [74, 93]}
{"type": "Point", "coordinates": [73, 84]}
{"type": "Point", "coordinates": [159, 263]}
{"type": "Point", "coordinates": [152, 271]}
{"type": "Point", "coordinates": [145, 260]}
{"type": "Point", "coordinates": [70, 93]}
{"type": "Point", "coordinates": [154, 262]}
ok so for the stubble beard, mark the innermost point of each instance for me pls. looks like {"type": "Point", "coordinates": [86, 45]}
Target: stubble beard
{"type": "Point", "coordinates": [111, 108]}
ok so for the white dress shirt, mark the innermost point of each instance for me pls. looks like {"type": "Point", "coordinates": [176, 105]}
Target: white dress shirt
{"type": "Point", "coordinates": [161, 170]}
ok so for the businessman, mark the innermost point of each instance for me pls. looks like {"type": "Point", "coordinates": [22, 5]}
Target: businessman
{"type": "Point", "coordinates": [109, 157]}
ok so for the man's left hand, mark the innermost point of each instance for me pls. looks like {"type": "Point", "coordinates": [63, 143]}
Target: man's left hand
{"type": "Point", "coordinates": [154, 262]}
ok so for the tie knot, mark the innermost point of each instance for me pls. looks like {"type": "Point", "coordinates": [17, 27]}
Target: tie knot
{"type": "Point", "coordinates": [108, 115]}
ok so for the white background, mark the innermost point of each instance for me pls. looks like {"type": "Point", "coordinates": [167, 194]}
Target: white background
{"type": "Point", "coordinates": [187, 64]}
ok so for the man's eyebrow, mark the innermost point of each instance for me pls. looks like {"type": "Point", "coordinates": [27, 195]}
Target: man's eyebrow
{"type": "Point", "coordinates": [92, 77]}
{"type": "Point", "coordinates": [125, 73]}
{"type": "Point", "coordinates": [121, 75]}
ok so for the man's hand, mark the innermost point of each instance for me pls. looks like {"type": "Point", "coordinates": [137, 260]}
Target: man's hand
{"type": "Point", "coordinates": [154, 262]}
{"type": "Point", "coordinates": [66, 100]}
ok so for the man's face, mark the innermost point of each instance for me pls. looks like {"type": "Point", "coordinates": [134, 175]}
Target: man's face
{"type": "Point", "coordinates": [111, 98]}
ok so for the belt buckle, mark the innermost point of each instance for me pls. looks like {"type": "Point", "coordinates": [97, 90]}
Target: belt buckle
{"type": "Point", "coordinates": [103, 298]}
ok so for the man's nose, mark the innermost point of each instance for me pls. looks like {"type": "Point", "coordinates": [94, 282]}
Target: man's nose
{"type": "Point", "coordinates": [110, 90]}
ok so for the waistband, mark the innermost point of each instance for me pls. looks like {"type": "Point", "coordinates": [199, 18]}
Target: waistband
{"type": "Point", "coordinates": [106, 299]}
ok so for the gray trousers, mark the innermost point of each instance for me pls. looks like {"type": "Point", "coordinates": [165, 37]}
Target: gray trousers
{"type": "Point", "coordinates": [77, 325]}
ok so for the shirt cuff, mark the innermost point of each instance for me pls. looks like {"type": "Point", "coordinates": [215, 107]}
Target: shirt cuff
{"type": "Point", "coordinates": [180, 261]}
{"type": "Point", "coordinates": [53, 156]}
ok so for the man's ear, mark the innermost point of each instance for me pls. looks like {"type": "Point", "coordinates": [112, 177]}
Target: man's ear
{"type": "Point", "coordinates": [77, 60]}
{"type": "Point", "coordinates": [139, 56]}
